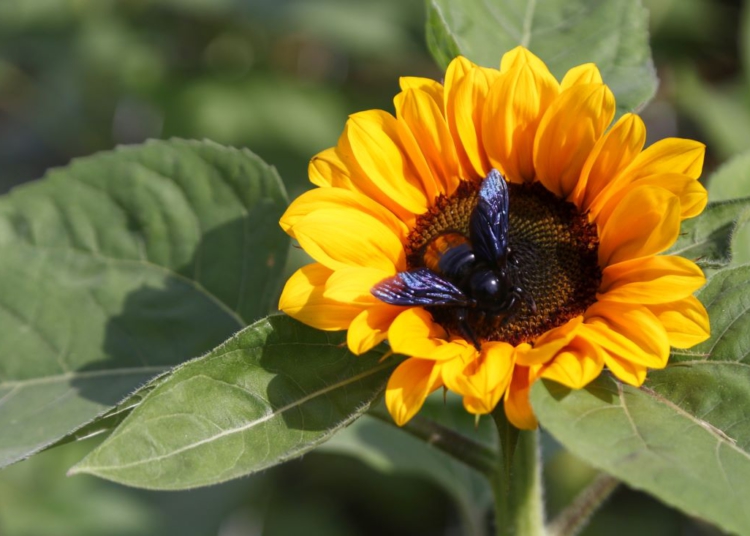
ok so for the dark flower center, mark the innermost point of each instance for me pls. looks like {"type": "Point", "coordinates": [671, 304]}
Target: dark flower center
{"type": "Point", "coordinates": [554, 250]}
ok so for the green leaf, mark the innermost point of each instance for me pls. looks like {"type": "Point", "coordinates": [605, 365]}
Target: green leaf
{"type": "Point", "coordinates": [727, 300]}
{"type": "Point", "coordinates": [684, 436]}
{"type": "Point", "coordinates": [120, 266]}
{"type": "Point", "coordinates": [657, 444]}
{"type": "Point", "coordinates": [386, 448]}
{"type": "Point", "coordinates": [707, 239]}
{"type": "Point", "coordinates": [108, 421]}
{"type": "Point", "coordinates": [563, 33]}
{"type": "Point", "coordinates": [271, 393]}
{"type": "Point", "coordinates": [732, 181]}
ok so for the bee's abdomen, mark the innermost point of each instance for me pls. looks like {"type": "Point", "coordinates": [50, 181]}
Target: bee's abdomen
{"type": "Point", "coordinates": [449, 254]}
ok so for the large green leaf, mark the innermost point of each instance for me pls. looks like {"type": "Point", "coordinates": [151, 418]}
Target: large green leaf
{"type": "Point", "coordinates": [272, 392]}
{"type": "Point", "coordinates": [727, 300]}
{"type": "Point", "coordinates": [685, 435]}
{"type": "Point", "coordinates": [654, 444]}
{"type": "Point", "coordinates": [707, 239]}
{"type": "Point", "coordinates": [564, 33]}
{"type": "Point", "coordinates": [732, 181]}
{"type": "Point", "coordinates": [120, 266]}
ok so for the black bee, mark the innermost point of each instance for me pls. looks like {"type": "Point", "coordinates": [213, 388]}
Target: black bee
{"type": "Point", "coordinates": [467, 273]}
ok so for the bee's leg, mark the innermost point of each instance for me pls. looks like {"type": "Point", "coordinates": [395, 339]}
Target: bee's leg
{"type": "Point", "coordinates": [529, 299]}
{"type": "Point", "coordinates": [519, 292]}
{"type": "Point", "coordinates": [462, 318]}
{"type": "Point", "coordinates": [512, 309]}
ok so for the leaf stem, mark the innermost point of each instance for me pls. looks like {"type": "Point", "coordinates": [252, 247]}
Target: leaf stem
{"type": "Point", "coordinates": [456, 445]}
{"type": "Point", "coordinates": [576, 515]}
{"type": "Point", "coordinates": [517, 482]}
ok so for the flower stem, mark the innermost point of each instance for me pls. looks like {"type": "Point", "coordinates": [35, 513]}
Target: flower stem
{"type": "Point", "coordinates": [574, 518]}
{"type": "Point", "coordinates": [517, 482]}
{"type": "Point", "coordinates": [456, 445]}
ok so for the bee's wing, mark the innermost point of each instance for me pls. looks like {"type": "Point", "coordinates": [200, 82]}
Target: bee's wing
{"type": "Point", "coordinates": [419, 287]}
{"type": "Point", "coordinates": [488, 226]}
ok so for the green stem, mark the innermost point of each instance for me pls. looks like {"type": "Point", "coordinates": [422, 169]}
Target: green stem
{"type": "Point", "coordinates": [575, 517]}
{"type": "Point", "coordinates": [517, 482]}
{"type": "Point", "coordinates": [454, 444]}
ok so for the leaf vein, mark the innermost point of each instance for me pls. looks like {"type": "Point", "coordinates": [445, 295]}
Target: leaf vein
{"type": "Point", "coordinates": [246, 426]}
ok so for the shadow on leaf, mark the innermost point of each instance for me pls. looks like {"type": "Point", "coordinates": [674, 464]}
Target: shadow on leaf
{"type": "Point", "coordinates": [174, 316]}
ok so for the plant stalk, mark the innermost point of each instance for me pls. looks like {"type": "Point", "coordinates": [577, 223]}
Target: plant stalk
{"type": "Point", "coordinates": [453, 443]}
{"type": "Point", "coordinates": [575, 517]}
{"type": "Point", "coordinates": [517, 483]}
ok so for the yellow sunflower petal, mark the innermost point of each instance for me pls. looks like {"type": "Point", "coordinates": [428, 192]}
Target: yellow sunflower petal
{"type": "Point", "coordinates": [387, 174]}
{"type": "Point", "coordinates": [630, 332]}
{"type": "Point", "coordinates": [686, 321]}
{"type": "Point", "coordinates": [482, 380]}
{"type": "Point", "coordinates": [520, 56]}
{"type": "Point", "coordinates": [512, 112]}
{"type": "Point", "coordinates": [420, 114]}
{"type": "Point", "coordinates": [468, 105]}
{"type": "Point", "coordinates": [645, 222]}
{"type": "Point", "coordinates": [517, 405]}
{"type": "Point", "coordinates": [568, 131]}
{"type": "Point", "coordinates": [588, 73]}
{"type": "Point", "coordinates": [370, 327]}
{"type": "Point", "coordinates": [303, 300]}
{"type": "Point", "coordinates": [627, 371]}
{"type": "Point", "coordinates": [343, 237]}
{"type": "Point", "coordinates": [455, 72]}
{"type": "Point", "coordinates": [672, 155]}
{"type": "Point", "coordinates": [409, 386]}
{"type": "Point", "coordinates": [611, 153]}
{"type": "Point", "coordinates": [648, 280]}
{"type": "Point", "coordinates": [417, 159]}
{"type": "Point", "coordinates": [454, 75]}
{"type": "Point", "coordinates": [492, 376]}
{"type": "Point", "coordinates": [326, 169]}
{"type": "Point", "coordinates": [433, 88]}
{"type": "Point", "coordinates": [414, 333]}
{"type": "Point", "coordinates": [415, 323]}
{"type": "Point", "coordinates": [454, 370]}
{"type": "Point", "coordinates": [577, 365]}
{"type": "Point", "coordinates": [691, 193]}
{"type": "Point", "coordinates": [476, 406]}
{"type": "Point", "coordinates": [353, 285]}
{"type": "Point", "coordinates": [550, 343]}
{"type": "Point", "coordinates": [333, 198]}
{"type": "Point", "coordinates": [361, 183]}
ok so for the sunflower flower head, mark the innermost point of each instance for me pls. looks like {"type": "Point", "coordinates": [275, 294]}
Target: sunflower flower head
{"type": "Point", "coordinates": [553, 272]}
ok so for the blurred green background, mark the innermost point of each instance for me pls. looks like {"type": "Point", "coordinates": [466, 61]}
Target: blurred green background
{"type": "Point", "coordinates": [280, 77]}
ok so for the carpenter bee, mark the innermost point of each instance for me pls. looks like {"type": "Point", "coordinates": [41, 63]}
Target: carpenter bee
{"type": "Point", "coordinates": [463, 273]}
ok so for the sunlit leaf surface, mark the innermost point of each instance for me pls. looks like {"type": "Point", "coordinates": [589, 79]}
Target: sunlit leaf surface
{"type": "Point", "coordinates": [274, 391]}
{"type": "Point", "coordinates": [707, 239]}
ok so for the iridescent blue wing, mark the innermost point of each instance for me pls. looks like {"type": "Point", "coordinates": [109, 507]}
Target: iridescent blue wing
{"type": "Point", "coordinates": [419, 287]}
{"type": "Point", "coordinates": [488, 226]}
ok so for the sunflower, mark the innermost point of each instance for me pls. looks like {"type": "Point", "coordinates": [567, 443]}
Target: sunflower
{"type": "Point", "coordinates": [590, 210]}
